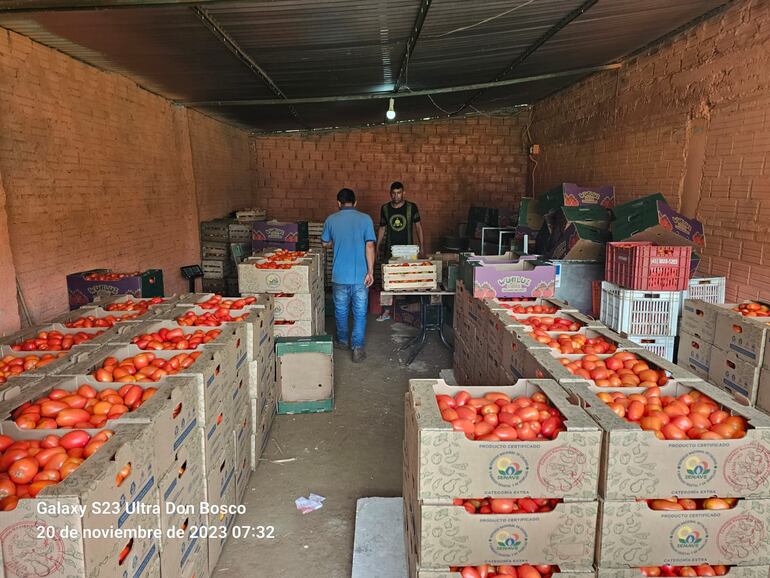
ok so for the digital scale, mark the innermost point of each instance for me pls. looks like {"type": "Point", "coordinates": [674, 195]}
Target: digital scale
{"type": "Point", "coordinates": [191, 273]}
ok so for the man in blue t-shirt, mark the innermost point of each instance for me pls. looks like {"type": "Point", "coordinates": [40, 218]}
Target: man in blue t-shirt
{"type": "Point", "coordinates": [351, 233]}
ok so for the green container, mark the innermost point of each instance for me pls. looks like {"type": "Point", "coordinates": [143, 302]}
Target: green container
{"type": "Point", "coordinates": [314, 344]}
{"type": "Point", "coordinates": [592, 215]}
{"type": "Point", "coordinates": [296, 407]}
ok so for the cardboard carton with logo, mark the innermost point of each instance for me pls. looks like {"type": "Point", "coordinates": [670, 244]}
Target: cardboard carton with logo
{"type": "Point", "coordinates": [82, 288]}
{"type": "Point", "coordinates": [699, 318]}
{"type": "Point", "coordinates": [729, 371]}
{"type": "Point", "coordinates": [573, 195]}
{"type": "Point", "coordinates": [636, 464]}
{"type": "Point", "coordinates": [297, 278]}
{"type": "Point", "coordinates": [298, 306]}
{"type": "Point", "coordinates": [654, 220]}
{"type": "Point", "coordinates": [734, 572]}
{"type": "Point", "coordinates": [563, 468]}
{"type": "Point", "coordinates": [634, 535]}
{"type": "Point", "coordinates": [744, 336]}
{"type": "Point", "coordinates": [524, 278]}
{"type": "Point", "coordinates": [284, 232]}
{"type": "Point", "coordinates": [26, 553]}
{"type": "Point", "coordinates": [172, 414]}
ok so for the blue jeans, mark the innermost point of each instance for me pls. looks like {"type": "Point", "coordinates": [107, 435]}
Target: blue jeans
{"type": "Point", "coordinates": [345, 296]}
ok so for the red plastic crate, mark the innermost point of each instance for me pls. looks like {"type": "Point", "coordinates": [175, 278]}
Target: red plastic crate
{"type": "Point", "coordinates": [644, 266]}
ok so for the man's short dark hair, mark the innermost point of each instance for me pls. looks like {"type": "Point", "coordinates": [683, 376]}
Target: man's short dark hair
{"type": "Point", "coordinates": [396, 185]}
{"type": "Point", "coordinates": [346, 197]}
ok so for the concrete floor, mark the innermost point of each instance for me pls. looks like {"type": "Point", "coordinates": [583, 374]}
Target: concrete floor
{"type": "Point", "coordinates": [352, 453]}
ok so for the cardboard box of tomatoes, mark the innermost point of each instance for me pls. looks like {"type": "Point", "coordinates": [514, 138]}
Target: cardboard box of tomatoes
{"type": "Point", "coordinates": [448, 465]}
{"type": "Point", "coordinates": [242, 432]}
{"type": "Point", "coordinates": [96, 317]}
{"type": "Point", "coordinates": [557, 574]}
{"type": "Point", "coordinates": [742, 335]}
{"type": "Point", "coordinates": [637, 464]}
{"type": "Point", "coordinates": [729, 371]}
{"type": "Point", "coordinates": [184, 484]}
{"type": "Point", "coordinates": [699, 318]}
{"type": "Point", "coordinates": [297, 306]}
{"type": "Point", "coordinates": [121, 471]}
{"type": "Point", "coordinates": [87, 286]}
{"type": "Point", "coordinates": [56, 337]}
{"type": "Point", "coordinates": [14, 364]}
{"type": "Point", "coordinates": [633, 534]}
{"type": "Point", "coordinates": [694, 354]}
{"type": "Point", "coordinates": [221, 490]}
{"type": "Point", "coordinates": [272, 274]}
{"type": "Point", "coordinates": [684, 570]}
{"type": "Point", "coordinates": [169, 408]}
{"type": "Point", "coordinates": [257, 318]}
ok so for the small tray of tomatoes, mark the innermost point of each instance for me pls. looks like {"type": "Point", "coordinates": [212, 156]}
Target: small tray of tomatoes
{"type": "Point", "coordinates": [505, 571]}
{"type": "Point", "coordinates": [668, 570]}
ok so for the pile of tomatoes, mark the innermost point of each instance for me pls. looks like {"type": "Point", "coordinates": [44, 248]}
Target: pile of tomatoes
{"type": "Point", "coordinates": [497, 417]}
{"type": "Point", "coordinates": [130, 305]}
{"type": "Point", "coordinates": [700, 570]}
{"type": "Point", "coordinates": [110, 276]}
{"type": "Point", "coordinates": [690, 416]}
{"type": "Point", "coordinates": [217, 302]}
{"type": "Point", "coordinates": [82, 408]}
{"type": "Point", "coordinates": [571, 343]}
{"type": "Point", "coordinates": [175, 338]}
{"type": "Point", "coordinates": [526, 310]}
{"type": "Point", "coordinates": [680, 504]}
{"type": "Point", "coordinates": [143, 367]}
{"type": "Point", "coordinates": [753, 310]}
{"type": "Point", "coordinates": [29, 466]}
{"type": "Point", "coordinates": [551, 323]}
{"type": "Point", "coordinates": [89, 321]}
{"type": "Point", "coordinates": [54, 341]}
{"type": "Point", "coordinates": [11, 365]}
{"type": "Point", "coordinates": [506, 505]}
{"type": "Point", "coordinates": [209, 319]}
{"type": "Point", "coordinates": [622, 369]}
{"type": "Point", "coordinates": [523, 571]}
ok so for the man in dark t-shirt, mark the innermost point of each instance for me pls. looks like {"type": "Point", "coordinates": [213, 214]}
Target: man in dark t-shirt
{"type": "Point", "coordinates": [399, 225]}
{"type": "Point", "coordinates": [399, 222]}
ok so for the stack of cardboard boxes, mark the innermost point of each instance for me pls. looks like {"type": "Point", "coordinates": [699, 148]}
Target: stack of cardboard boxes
{"type": "Point", "coordinates": [631, 467]}
{"type": "Point", "coordinates": [729, 349]}
{"type": "Point", "coordinates": [290, 236]}
{"type": "Point", "coordinates": [297, 283]}
{"type": "Point", "coordinates": [194, 442]}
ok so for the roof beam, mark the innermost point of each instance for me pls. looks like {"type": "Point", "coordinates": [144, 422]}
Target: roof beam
{"type": "Point", "coordinates": [21, 6]}
{"type": "Point", "coordinates": [422, 13]}
{"type": "Point", "coordinates": [233, 47]}
{"type": "Point", "coordinates": [410, 94]}
{"type": "Point", "coordinates": [550, 33]}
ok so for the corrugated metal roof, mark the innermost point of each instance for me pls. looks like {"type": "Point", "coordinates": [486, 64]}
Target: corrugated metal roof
{"type": "Point", "coordinates": [338, 47]}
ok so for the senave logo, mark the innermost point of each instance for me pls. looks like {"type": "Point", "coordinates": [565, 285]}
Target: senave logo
{"type": "Point", "coordinates": [508, 469]}
{"type": "Point", "coordinates": [697, 468]}
{"type": "Point", "coordinates": [508, 540]}
{"type": "Point", "coordinates": [688, 537]}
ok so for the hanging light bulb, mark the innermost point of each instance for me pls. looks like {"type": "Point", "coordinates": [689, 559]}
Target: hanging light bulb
{"type": "Point", "coordinates": [391, 114]}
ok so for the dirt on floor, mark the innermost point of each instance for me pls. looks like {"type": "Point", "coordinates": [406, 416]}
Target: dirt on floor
{"type": "Point", "coordinates": [351, 453]}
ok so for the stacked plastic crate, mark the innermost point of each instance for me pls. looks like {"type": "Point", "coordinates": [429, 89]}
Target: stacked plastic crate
{"type": "Point", "coordinates": [314, 232]}
{"type": "Point", "coordinates": [643, 292]}
{"type": "Point", "coordinates": [224, 243]}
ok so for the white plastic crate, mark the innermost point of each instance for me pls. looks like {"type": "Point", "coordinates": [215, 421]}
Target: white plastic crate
{"type": "Point", "coordinates": [648, 313]}
{"type": "Point", "coordinates": [709, 289]}
{"type": "Point", "coordinates": [662, 345]}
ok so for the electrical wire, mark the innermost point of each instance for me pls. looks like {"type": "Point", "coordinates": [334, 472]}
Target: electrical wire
{"type": "Point", "coordinates": [486, 20]}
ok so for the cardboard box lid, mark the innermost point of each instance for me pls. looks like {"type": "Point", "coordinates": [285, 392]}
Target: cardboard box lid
{"type": "Point", "coordinates": [314, 344]}
{"type": "Point", "coordinates": [633, 206]}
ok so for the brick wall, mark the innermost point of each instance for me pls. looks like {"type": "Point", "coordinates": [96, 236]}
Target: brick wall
{"type": "Point", "coordinates": [641, 128]}
{"type": "Point", "coordinates": [223, 167]}
{"type": "Point", "coordinates": [445, 166]}
{"type": "Point", "coordinates": [100, 173]}
{"type": "Point", "coordinates": [9, 314]}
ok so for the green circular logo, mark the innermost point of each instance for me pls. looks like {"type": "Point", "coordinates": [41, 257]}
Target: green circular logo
{"type": "Point", "coordinates": [398, 223]}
